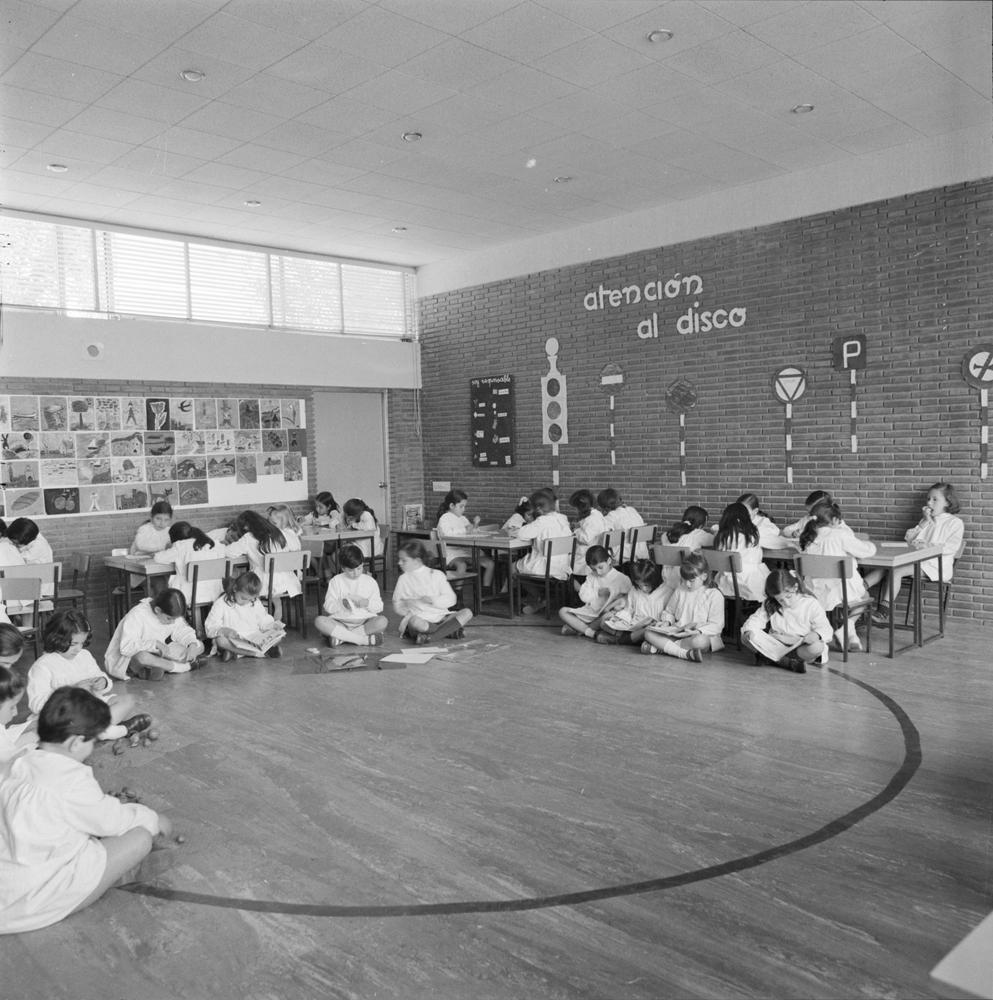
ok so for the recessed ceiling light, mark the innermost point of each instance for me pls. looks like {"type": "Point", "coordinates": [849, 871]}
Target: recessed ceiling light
{"type": "Point", "coordinates": [562, 179]}
{"type": "Point", "coordinates": [252, 203]}
{"type": "Point", "coordinates": [660, 35]}
{"type": "Point", "coordinates": [192, 75]}
{"type": "Point", "coordinates": [57, 168]}
{"type": "Point", "coordinates": [399, 229]}
{"type": "Point", "coordinates": [412, 136]}
{"type": "Point", "coordinates": [802, 109]}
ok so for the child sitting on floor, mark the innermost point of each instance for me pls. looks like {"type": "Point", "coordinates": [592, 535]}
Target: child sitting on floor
{"type": "Point", "coordinates": [644, 604]}
{"type": "Point", "coordinates": [353, 605]}
{"type": "Point", "coordinates": [63, 842]}
{"type": "Point", "coordinates": [240, 625]}
{"type": "Point", "coordinates": [603, 590]}
{"type": "Point", "coordinates": [422, 596]}
{"type": "Point", "coordinates": [693, 618]}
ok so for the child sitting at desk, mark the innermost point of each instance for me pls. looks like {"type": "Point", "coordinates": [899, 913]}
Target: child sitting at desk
{"type": "Point", "coordinates": [452, 521]}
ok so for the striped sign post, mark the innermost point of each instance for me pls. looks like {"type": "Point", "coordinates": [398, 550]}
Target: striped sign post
{"type": "Point", "coordinates": [977, 370]}
{"type": "Point", "coordinates": [789, 384]}
{"type": "Point", "coordinates": [554, 407]}
{"type": "Point", "coordinates": [849, 355]}
{"type": "Point", "coordinates": [680, 396]}
{"type": "Point", "coordinates": [611, 380]}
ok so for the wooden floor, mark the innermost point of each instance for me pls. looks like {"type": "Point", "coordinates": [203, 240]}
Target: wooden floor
{"type": "Point", "coordinates": [543, 817]}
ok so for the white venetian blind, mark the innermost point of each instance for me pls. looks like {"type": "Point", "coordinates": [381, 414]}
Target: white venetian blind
{"type": "Point", "coordinates": [306, 293]}
{"type": "Point", "coordinates": [373, 300]}
{"type": "Point", "coordinates": [229, 286]}
{"type": "Point", "coordinates": [143, 275]}
{"type": "Point", "coordinates": [45, 264]}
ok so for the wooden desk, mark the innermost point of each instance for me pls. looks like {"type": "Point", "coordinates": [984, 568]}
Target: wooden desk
{"type": "Point", "coordinates": [497, 542]}
{"type": "Point", "coordinates": [889, 555]}
{"type": "Point", "coordinates": [120, 569]}
{"type": "Point", "coordinates": [333, 537]}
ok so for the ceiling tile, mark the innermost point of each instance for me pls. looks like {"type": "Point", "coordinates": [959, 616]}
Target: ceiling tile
{"type": "Point", "coordinates": [793, 31]}
{"type": "Point", "coordinates": [156, 160]}
{"type": "Point", "coordinates": [154, 20]}
{"type": "Point", "coordinates": [21, 133]}
{"type": "Point", "coordinates": [348, 117]}
{"type": "Point", "coordinates": [318, 65]}
{"type": "Point", "coordinates": [110, 124]}
{"type": "Point", "coordinates": [452, 16]}
{"type": "Point", "coordinates": [128, 180]}
{"type": "Point", "coordinates": [649, 87]}
{"type": "Point", "coordinates": [151, 101]}
{"type": "Point", "coordinates": [188, 189]}
{"type": "Point", "coordinates": [626, 130]}
{"type": "Point", "coordinates": [318, 171]}
{"type": "Point", "coordinates": [745, 12]}
{"type": "Point", "coordinates": [724, 57]}
{"type": "Point", "coordinates": [357, 153]}
{"type": "Point", "coordinates": [264, 158]}
{"type": "Point", "coordinates": [17, 182]}
{"type": "Point", "coordinates": [224, 175]}
{"type": "Point", "coordinates": [164, 71]}
{"type": "Point", "coordinates": [464, 113]}
{"type": "Point", "coordinates": [36, 161]}
{"type": "Point", "coordinates": [574, 110]}
{"type": "Point", "coordinates": [89, 44]}
{"type": "Point", "coordinates": [526, 32]}
{"type": "Point", "coordinates": [277, 95]}
{"type": "Point", "coordinates": [191, 142]}
{"type": "Point", "coordinates": [283, 187]}
{"type": "Point", "coordinates": [395, 91]}
{"type": "Point", "coordinates": [29, 105]}
{"type": "Point", "coordinates": [99, 194]}
{"type": "Point", "coordinates": [383, 36]}
{"type": "Point", "coordinates": [592, 60]}
{"type": "Point", "coordinates": [596, 15]}
{"type": "Point", "coordinates": [242, 42]}
{"type": "Point", "coordinates": [300, 138]}
{"type": "Point", "coordinates": [310, 18]}
{"type": "Point", "coordinates": [691, 25]}
{"type": "Point", "coordinates": [84, 146]}
{"type": "Point", "coordinates": [522, 89]}
{"type": "Point", "coordinates": [58, 77]}
{"type": "Point", "coordinates": [25, 23]}
{"type": "Point", "coordinates": [884, 137]}
{"type": "Point", "coordinates": [218, 118]}
{"type": "Point", "coordinates": [458, 65]}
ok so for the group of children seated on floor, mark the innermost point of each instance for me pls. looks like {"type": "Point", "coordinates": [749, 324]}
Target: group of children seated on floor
{"type": "Point", "coordinates": [675, 611]}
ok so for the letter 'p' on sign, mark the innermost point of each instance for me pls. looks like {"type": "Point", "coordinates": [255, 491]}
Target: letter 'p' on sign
{"type": "Point", "coordinates": [849, 353]}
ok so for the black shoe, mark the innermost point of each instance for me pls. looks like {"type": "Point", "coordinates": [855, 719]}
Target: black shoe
{"type": "Point", "coordinates": [199, 662]}
{"type": "Point", "coordinates": [793, 663]}
{"type": "Point", "coordinates": [147, 673]}
{"type": "Point", "coordinates": [137, 724]}
{"type": "Point", "coordinates": [225, 655]}
{"type": "Point", "coordinates": [275, 652]}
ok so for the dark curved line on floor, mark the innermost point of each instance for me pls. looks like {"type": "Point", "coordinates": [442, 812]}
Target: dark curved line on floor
{"type": "Point", "coordinates": [900, 779]}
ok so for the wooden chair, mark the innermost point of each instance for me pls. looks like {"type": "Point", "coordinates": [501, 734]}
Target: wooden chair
{"type": "Point", "coordinates": [564, 546]}
{"type": "Point", "coordinates": [74, 581]}
{"type": "Point", "coordinates": [613, 542]}
{"type": "Point", "coordinates": [642, 533]}
{"type": "Point", "coordinates": [946, 588]}
{"type": "Point", "coordinates": [198, 573]}
{"type": "Point", "coordinates": [48, 574]}
{"type": "Point", "coordinates": [811, 567]}
{"type": "Point", "coordinates": [289, 562]}
{"type": "Point", "coordinates": [668, 555]}
{"type": "Point", "coordinates": [318, 571]}
{"type": "Point", "coordinates": [719, 561]}
{"type": "Point", "coordinates": [459, 579]}
{"type": "Point", "coordinates": [25, 590]}
{"type": "Point", "coordinates": [379, 565]}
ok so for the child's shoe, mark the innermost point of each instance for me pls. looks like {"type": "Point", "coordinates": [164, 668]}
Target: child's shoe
{"type": "Point", "coordinates": [146, 673]}
{"type": "Point", "coordinates": [793, 663]}
{"type": "Point", "coordinates": [376, 639]}
{"type": "Point", "coordinates": [606, 639]}
{"type": "Point", "coordinates": [648, 649]}
{"type": "Point", "coordinates": [334, 642]}
{"type": "Point", "coordinates": [275, 652]}
{"type": "Point", "coordinates": [423, 639]}
{"type": "Point", "coordinates": [137, 724]}
{"type": "Point", "coordinates": [225, 655]}
{"type": "Point", "coordinates": [199, 662]}
{"type": "Point", "coordinates": [569, 630]}
{"type": "Point", "coordinates": [695, 655]}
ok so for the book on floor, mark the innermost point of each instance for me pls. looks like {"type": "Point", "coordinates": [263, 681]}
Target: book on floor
{"type": "Point", "coordinates": [774, 647]}
{"type": "Point", "coordinates": [670, 631]}
{"type": "Point", "coordinates": [261, 642]}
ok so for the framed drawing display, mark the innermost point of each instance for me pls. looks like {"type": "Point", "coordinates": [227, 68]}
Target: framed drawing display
{"type": "Point", "coordinates": [491, 401]}
{"type": "Point", "coordinates": [99, 454]}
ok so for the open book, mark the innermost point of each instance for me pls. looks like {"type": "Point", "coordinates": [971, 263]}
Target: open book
{"type": "Point", "coordinates": [260, 642]}
{"type": "Point", "coordinates": [774, 647]}
{"type": "Point", "coordinates": [669, 631]}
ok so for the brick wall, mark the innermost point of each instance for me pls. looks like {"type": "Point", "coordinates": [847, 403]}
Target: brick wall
{"type": "Point", "coordinates": [98, 534]}
{"type": "Point", "coordinates": [911, 274]}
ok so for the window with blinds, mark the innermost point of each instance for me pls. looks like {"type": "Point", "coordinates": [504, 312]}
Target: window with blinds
{"type": "Point", "coordinates": [76, 269]}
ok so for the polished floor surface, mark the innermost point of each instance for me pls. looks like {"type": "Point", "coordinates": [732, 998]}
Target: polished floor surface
{"type": "Point", "coordinates": [536, 816]}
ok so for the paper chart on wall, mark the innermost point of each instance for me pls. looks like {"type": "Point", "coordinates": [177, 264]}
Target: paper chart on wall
{"type": "Point", "coordinates": [100, 454]}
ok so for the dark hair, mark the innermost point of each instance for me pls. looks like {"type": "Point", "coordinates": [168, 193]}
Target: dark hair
{"type": "Point", "coordinates": [776, 582]}
{"type": "Point", "coordinates": [643, 571]}
{"type": "Point", "coordinates": [11, 684]}
{"type": "Point", "coordinates": [583, 501]}
{"type": "Point", "coordinates": [61, 627]}
{"type": "Point", "coordinates": [823, 514]}
{"type": "Point", "coordinates": [950, 498]}
{"type": "Point", "coordinates": [170, 602]}
{"type": "Point", "coordinates": [693, 518]}
{"type": "Point", "coordinates": [524, 507]}
{"type": "Point", "coordinates": [160, 507]}
{"type": "Point", "coordinates": [356, 508]}
{"type": "Point", "coordinates": [751, 501]}
{"type": "Point", "coordinates": [350, 557]}
{"type": "Point", "coordinates": [3, 528]}
{"type": "Point", "coordinates": [693, 565]}
{"type": "Point", "coordinates": [11, 640]}
{"type": "Point", "coordinates": [815, 497]}
{"type": "Point", "coordinates": [452, 497]}
{"type": "Point", "coordinates": [414, 549]}
{"type": "Point", "coordinates": [72, 711]}
{"type": "Point", "coordinates": [263, 530]}
{"type": "Point", "coordinates": [608, 499]}
{"type": "Point", "coordinates": [735, 520]}
{"type": "Point", "coordinates": [597, 554]}
{"type": "Point", "coordinates": [543, 501]}
{"type": "Point", "coordinates": [245, 583]}
{"type": "Point", "coordinates": [179, 531]}
{"type": "Point", "coordinates": [325, 499]}
{"type": "Point", "coordinates": [22, 531]}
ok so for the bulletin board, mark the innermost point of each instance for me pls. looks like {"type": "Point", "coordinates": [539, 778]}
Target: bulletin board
{"type": "Point", "coordinates": [492, 421]}
{"type": "Point", "coordinates": [101, 454]}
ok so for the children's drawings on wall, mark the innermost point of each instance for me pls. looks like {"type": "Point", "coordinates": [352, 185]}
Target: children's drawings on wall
{"type": "Point", "coordinates": [849, 355]}
{"type": "Point", "coordinates": [656, 290]}
{"type": "Point", "coordinates": [92, 454]}
{"type": "Point", "coordinates": [611, 380]}
{"type": "Point", "coordinates": [789, 384]}
{"type": "Point", "coordinates": [680, 396]}
{"type": "Point", "coordinates": [977, 370]}
{"type": "Point", "coordinates": [554, 407]}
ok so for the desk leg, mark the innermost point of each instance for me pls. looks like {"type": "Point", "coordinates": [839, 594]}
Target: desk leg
{"type": "Point", "coordinates": [918, 606]}
{"type": "Point", "coordinates": [111, 618]}
{"type": "Point", "coordinates": [511, 585]}
{"type": "Point", "coordinates": [941, 598]}
{"type": "Point", "coordinates": [892, 621]}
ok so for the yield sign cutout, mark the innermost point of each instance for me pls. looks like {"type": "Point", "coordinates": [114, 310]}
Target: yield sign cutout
{"type": "Point", "coordinates": [790, 384]}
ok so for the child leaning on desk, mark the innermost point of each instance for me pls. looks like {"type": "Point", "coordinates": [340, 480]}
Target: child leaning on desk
{"type": "Point", "coordinates": [452, 521]}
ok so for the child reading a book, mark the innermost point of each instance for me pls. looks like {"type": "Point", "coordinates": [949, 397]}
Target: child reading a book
{"type": "Point", "coordinates": [604, 589]}
{"type": "Point", "coordinates": [790, 628]}
{"type": "Point", "coordinates": [240, 625]}
{"type": "Point", "coordinates": [693, 618]}
{"type": "Point", "coordinates": [643, 604]}
{"type": "Point", "coordinates": [353, 607]}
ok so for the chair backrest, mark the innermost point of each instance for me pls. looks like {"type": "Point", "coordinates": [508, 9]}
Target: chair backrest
{"type": "Point", "coordinates": [287, 562]}
{"type": "Point", "coordinates": [721, 561]}
{"type": "Point", "coordinates": [641, 533]}
{"type": "Point", "coordinates": [20, 588]}
{"type": "Point", "coordinates": [78, 564]}
{"type": "Point", "coordinates": [316, 548]}
{"type": "Point", "coordinates": [206, 569]}
{"type": "Point", "coordinates": [47, 573]}
{"type": "Point", "coordinates": [669, 555]}
{"type": "Point", "coordinates": [825, 567]}
{"type": "Point", "coordinates": [434, 549]}
{"type": "Point", "coordinates": [548, 548]}
{"type": "Point", "coordinates": [613, 542]}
